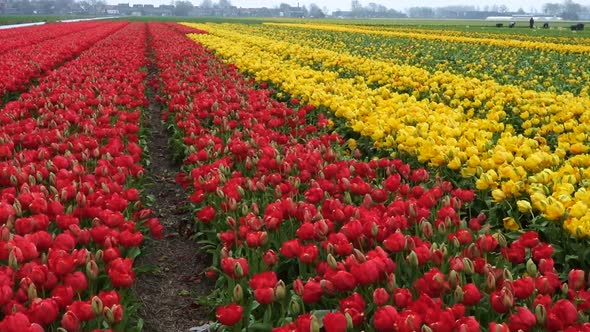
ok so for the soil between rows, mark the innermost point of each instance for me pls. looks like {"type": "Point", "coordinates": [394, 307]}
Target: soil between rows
{"type": "Point", "coordinates": [176, 263]}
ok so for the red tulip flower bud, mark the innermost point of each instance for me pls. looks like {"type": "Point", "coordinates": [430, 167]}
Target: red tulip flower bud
{"type": "Point", "coordinates": [280, 290]}
{"type": "Point", "coordinates": [490, 281]}
{"type": "Point", "coordinates": [469, 266]}
{"type": "Point", "coordinates": [270, 258]}
{"type": "Point", "coordinates": [238, 293]}
{"type": "Point", "coordinates": [332, 262]}
{"type": "Point", "coordinates": [391, 282]}
{"type": "Point", "coordinates": [298, 287]}
{"type": "Point", "coordinates": [359, 255]}
{"type": "Point", "coordinates": [315, 324]}
{"type": "Point", "coordinates": [92, 270]}
{"type": "Point", "coordinates": [412, 258]}
{"type": "Point", "coordinates": [238, 270]}
{"type": "Point", "coordinates": [97, 306]}
{"type": "Point", "coordinates": [12, 258]}
{"type": "Point", "coordinates": [454, 279]}
{"type": "Point", "coordinates": [507, 297]}
{"type": "Point", "coordinates": [380, 296]}
{"type": "Point", "coordinates": [32, 292]}
{"type": "Point", "coordinates": [294, 305]}
{"type": "Point", "coordinates": [70, 322]}
{"type": "Point", "coordinates": [426, 228]}
{"type": "Point", "coordinates": [565, 289]}
{"type": "Point", "coordinates": [531, 268]}
{"type": "Point", "coordinates": [541, 314]}
{"type": "Point", "coordinates": [328, 287]}
{"type": "Point", "coordinates": [495, 327]}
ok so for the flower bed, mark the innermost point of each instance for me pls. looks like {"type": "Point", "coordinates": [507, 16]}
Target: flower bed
{"type": "Point", "coordinates": [35, 35]}
{"type": "Point", "coordinates": [512, 144]}
{"type": "Point", "coordinates": [306, 236]}
{"type": "Point", "coordinates": [20, 65]}
{"type": "Point", "coordinates": [71, 219]}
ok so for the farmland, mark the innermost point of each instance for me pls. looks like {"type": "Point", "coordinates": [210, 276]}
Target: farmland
{"type": "Point", "coordinates": [294, 176]}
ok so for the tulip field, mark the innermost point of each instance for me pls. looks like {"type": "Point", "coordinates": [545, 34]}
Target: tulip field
{"type": "Point", "coordinates": [341, 177]}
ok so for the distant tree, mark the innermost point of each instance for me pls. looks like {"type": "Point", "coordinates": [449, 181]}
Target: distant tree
{"type": "Point", "coordinates": [425, 12]}
{"type": "Point", "coordinates": [355, 6]}
{"type": "Point", "coordinates": [93, 7]}
{"type": "Point", "coordinates": [503, 9]}
{"type": "Point", "coordinates": [520, 11]}
{"type": "Point", "coordinates": [394, 13]}
{"type": "Point", "coordinates": [376, 8]}
{"type": "Point", "coordinates": [63, 6]}
{"type": "Point", "coordinates": [315, 11]}
{"type": "Point", "coordinates": [571, 10]}
{"type": "Point", "coordinates": [224, 4]}
{"type": "Point", "coordinates": [552, 9]}
{"type": "Point", "coordinates": [206, 4]}
{"type": "Point", "coordinates": [183, 8]}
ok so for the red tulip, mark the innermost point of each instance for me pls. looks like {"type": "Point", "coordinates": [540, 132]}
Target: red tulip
{"type": "Point", "coordinates": [354, 305]}
{"type": "Point", "coordinates": [402, 297]}
{"type": "Point", "coordinates": [561, 315]}
{"type": "Point", "coordinates": [523, 287]}
{"type": "Point", "coordinates": [576, 279]}
{"type": "Point", "coordinates": [121, 272]}
{"type": "Point", "coordinates": [229, 315]}
{"type": "Point", "coordinates": [467, 324]}
{"type": "Point", "coordinates": [385, 319]}
{"type": "Point", "coordinates": [471, 295]}
{"type": "Point", "coordinates": [523, 320]}
{"type": "Point", "coordinates": [380, 296]}
{"type": "Point", "coordinates": [343, 280]}
{"type": "Point", "coordinates": [542, 250]}
{"type": "Point", "coordinates": [334, 322]}
{"type": "Point", "coordinates": [206, 214]}
{"type": "Point", "coordinates": [312, 292]}
{"type": "Point", "coordinates": [18, 322]}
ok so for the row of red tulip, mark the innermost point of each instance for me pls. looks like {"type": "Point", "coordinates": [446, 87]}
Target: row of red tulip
{"type": "Point", "coordinates": [28, 37]}
{"type": "Point", "coordinates": [20, 65]}
{"type": "Point", "coordinates": [309, 238]}
{"type": "Point", "coordinates": [71, 219]}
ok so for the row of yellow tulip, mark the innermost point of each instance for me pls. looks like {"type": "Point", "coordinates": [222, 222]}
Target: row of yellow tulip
{"type": "Point", "coordinates": [552, 175]}
{"type": "Point", "coordinates": [567, 38]}
{"type": "Point", "coordinates": [527, 44]}
{"type": "Point", "coordinates": [532, 69]}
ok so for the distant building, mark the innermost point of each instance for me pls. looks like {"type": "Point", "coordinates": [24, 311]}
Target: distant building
{"type": "Point", "coordinates": [259, 12]}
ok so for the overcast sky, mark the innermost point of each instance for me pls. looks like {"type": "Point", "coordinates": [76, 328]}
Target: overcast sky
{"type": "Point", "coordinates": [401, 5]}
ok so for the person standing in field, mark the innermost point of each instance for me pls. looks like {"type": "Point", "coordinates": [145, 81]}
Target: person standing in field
{"type": "Point", "coordinates": [532, 22]}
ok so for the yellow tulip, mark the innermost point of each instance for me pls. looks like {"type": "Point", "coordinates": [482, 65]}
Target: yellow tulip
{"type": "Point", "coordinates": [510, 224]}
{"type": "Point", "coordinates": [498, 195]}
{"type": "Point", "coordinates": [455, 163]}
{"type": "Point", "coordinates": [554, 209]}
{"type": "Point", "coordinates": [578, 210]}
{"type": "Point", "coordinates": [524, 206]}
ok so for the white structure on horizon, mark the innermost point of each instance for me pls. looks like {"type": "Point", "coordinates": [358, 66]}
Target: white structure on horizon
{"type": "Point", "coordinates": [524, 18]}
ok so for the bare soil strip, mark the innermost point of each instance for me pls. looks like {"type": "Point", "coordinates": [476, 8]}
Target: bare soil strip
{"type": "Point", "coordinates": [176, 263]}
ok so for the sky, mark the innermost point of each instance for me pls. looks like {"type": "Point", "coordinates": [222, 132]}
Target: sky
{"type": "Point", "coordinates": [401, 5]}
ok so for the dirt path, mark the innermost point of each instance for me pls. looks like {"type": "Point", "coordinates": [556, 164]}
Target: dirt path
{"type": "Point", "coordinates": [177, 276]}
